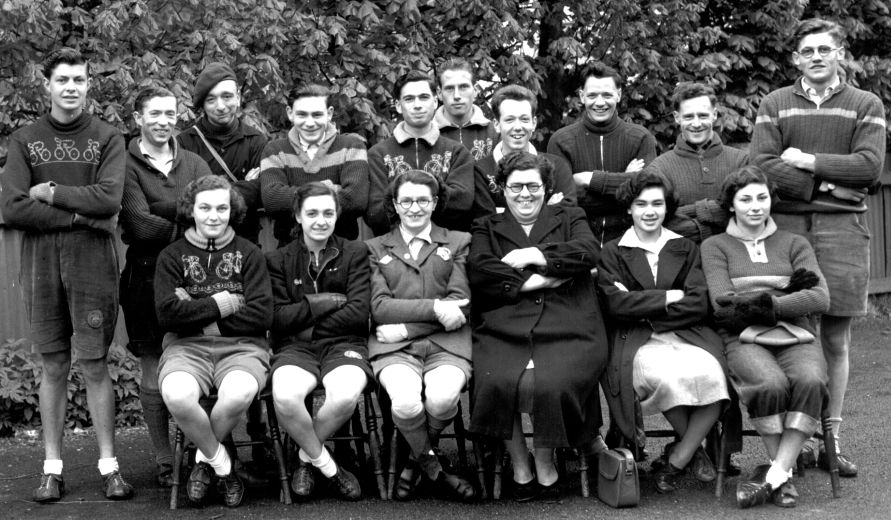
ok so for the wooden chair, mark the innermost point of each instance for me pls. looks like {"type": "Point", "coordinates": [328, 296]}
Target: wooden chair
{"type": "Point", "coordinates": [274, 439]}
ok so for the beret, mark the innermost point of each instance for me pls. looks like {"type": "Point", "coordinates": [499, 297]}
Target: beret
{"type": "Point", "coordinates": [212, 74]}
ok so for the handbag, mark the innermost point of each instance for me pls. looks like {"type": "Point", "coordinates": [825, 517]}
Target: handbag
{"type": "Point", "coordinates": [617, 482]}
{"type": "Point", "coordinates": [782, 334]}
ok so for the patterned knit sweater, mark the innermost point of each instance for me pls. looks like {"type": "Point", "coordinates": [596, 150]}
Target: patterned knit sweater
{"type": "Point", "coordinates": [736, 265]}
{"type": "Point", "coordinates": [447, 160]}
{"type": "Point", "coordinates": [478, 135]}
{"type": "Point", "coordinates": [846, 132]}
{"type": "Point", "coordinates": [86, 160]}
{"type": "Point", "coordinates": [340, 159]}
{"type": "Point", "coordinates": [203, 268]}
{"type": "Point", "coordinates": [147, 189]}
{"type": "Point", "coordinates": [696, 174]}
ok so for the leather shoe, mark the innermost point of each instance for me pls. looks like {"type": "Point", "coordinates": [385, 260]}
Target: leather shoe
{"type": "Point", "coordinates": [116, 488]}
{"type": "Point", "coordinates": [667, 478]}
{"type": "Point", "coordinates": [550, 493]}
{"type": "Point", "coordinates": [701, 466]}
{"type": "Point", "coordinates": [231, 488]}
{"type": "Point", "coordinates": [846, 468]}
{"type": "Point", "coordinates": [199, 482]}
{"type": "Point", "coordinates": [756, 491]}
{"type": "Point", "coordinates": [346, 484]}
{"type": "Point", "coordinates": [526, 492]}
{"type": "Point", "coordinates": [51, 488]}
{"type": "Point", "coordinates": [455, 487]}
{"type": "Point", "coordinates": [785, 495]}
{"type": "Point", "coordinates": [408, 481]}
{"type": "Point", "coordinates": [807, 457]}
{"type": "Point", "coordinates": [303, 481]}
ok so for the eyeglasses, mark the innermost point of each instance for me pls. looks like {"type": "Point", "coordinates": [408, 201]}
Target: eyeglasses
{"type": "Point", "coordinates": [533, 187]}
{"type": "Point", "coordinates": [808, 52]}
{"type": "Point", "coordinates": [406, 203]}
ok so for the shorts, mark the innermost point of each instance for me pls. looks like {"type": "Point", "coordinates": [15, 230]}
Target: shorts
{"type": "Point", "coordinates": [138, 303]}
{"type": "Point", "coordinates": [321, 357]}
{"type": "Point", "coordinates": [70, 281]}
{"type": "Point", "coordinates": [422, 356]}
{"type": "Point", "coordinates": [841, 244]}
{"type": "Point", "coordinates": [210, 358]}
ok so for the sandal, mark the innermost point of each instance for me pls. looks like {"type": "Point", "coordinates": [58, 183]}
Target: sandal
{"type": "Point", "coordinates": [408, 482]}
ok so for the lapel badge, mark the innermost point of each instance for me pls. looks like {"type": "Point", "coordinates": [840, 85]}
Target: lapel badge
{"type": "Point", "coordinates": [444, 253]}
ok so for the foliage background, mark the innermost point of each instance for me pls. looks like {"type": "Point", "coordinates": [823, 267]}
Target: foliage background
{"type": "Point", "coordinates": [361, 46]}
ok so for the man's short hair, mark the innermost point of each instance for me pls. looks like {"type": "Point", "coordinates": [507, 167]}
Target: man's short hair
{"type": "Point", "coordinates": [309, 90]}
{"type": "Point", "coordinates": [515, 93]}
{"type": "Point", "coordinates": [147, 93]}
{"type": "Point", "coordinates": [817, 26]}
{"type": "Point", "coordinates": [65, 55]}
{"type": "Point", "coordinates": [598, 69]}
{"type": "Point", "coordinates": [410, 77]}
{"type": "Point", "coordinates": [455, 64]}
{"type": "Point", "coordinates": [691, 89]}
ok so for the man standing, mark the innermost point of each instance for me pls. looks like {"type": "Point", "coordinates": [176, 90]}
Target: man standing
{"type": "Point", "coordinates": [227, 144]}
{"type": "Point", "coordinates": [63, 185]}
{"type": "Point", "coordinates": [314, 151]}
{"type": "Point", "coordinates": [515, 120]}
{"type": "Point", "coordinates": [417, 145]}
{"type": "Point", "coordinates": [603, 151]}
{"type": "Point", "coordinates": [822, 141]}
{"type": "Point", "coordinates": [459, 118]}
{"type": "Point", "coordinates": [157, 173]}
{"type": "Point", "coordinates": [698, 163]}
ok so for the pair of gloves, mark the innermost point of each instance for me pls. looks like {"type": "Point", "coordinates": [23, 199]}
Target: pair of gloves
{"type": "Point", "coordinates": [735, 313]}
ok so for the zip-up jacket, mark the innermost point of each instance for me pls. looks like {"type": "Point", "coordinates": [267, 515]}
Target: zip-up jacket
{"type": "Point", "coordinates": [478, 134]}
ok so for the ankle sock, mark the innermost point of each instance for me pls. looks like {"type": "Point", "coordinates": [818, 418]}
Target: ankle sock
{"type": "Point", "coordinates": [108, 465]}
{"type": "Point", "coordinates": [220, 462]}
{"type": "Point", "coordinates": [52, 466]}
{"type": "Point", "coordinates": [777, 476]}
{"type": "Point", "coordinates": [324, 462]}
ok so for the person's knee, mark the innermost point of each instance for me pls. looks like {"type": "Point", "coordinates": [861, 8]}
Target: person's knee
{"type": "Point", "coordinates": [237, 391]}
{"type": "Point", "coordinates": [179, 391]}
{"type": "Point", "coordinates": [441, 402]}
{"type": "Point", "coordinates": [342, 401]}
{"type": "Point", "coordinates": [56, 366]}
{"type": "Point", "coordinates": [94, 371]}
{"type": "Point", "coordinates": [406, 406]}
{"type": "Point", "coordinates": [288, 398]}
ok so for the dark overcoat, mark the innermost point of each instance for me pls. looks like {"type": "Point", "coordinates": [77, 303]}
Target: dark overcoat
{"type": "Point", "coordinates": [641, 310]}
{"type": "Point", "coordinates": [560, 329]}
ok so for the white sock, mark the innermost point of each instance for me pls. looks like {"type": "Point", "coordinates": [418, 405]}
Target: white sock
{"type": "Point", "coordinates": [304, 457]}
{"type": "Point", "coordinates": [777, 476]}
{"type": "Point", "coordinates": [325, 463]}
{"type": "Point", "coordinates": [108, 465]}
{"type": "Point", "coordinates": [220, 462]}
{"type": "Point", "coordinates": [52, 466]}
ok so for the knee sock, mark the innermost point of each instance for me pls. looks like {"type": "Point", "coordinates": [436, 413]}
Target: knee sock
{"type": "Point", "coordinates": [435, 426]}
{"type": "Point", "coordinates": [324, 462]}
{"type": "Point", "coordinates": [414, 429]}
{"type": "Point", "coordinates": [157, 420]}
{"type": "Point", "coordinates": [52, 466]}
{"type": "Point", "coordinates": [220, 461]}
{"type": "Point", "coordinates": [108, 465]}
{"type": "Point", "coordinates": [836, 430]}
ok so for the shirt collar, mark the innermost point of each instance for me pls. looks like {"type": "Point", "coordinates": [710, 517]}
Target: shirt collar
{"type": "Point", "coordinates": [630, 239]}
{"type": "Point", "coordinates": [734, 230]}
{"type": "Point", "coordinates": [812, 92]}
{"type": "Point", "coordinates": [431, 135]}
{"type": "Point", "coordinates": [154, 160]}
{"type": "Point", "coordinates": [423, 235]}
{"type": "Point", "coordinates": [476, 118]}
{"type": "Point", "coordinates": [498, 151]}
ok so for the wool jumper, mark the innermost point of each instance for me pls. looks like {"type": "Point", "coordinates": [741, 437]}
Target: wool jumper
{"type": "Point", "coordinates": [604, 149]}
{"type": "Point", "coordinates": [696, 173]}
{"type": "Point", "coordinates": [445, 159]}
{"type": "Point", "coordinates": [846, 132]}
{"type": "Point", "coordinates": [86, 160]}
{"type": "Point", "coordinates": [340, 159]}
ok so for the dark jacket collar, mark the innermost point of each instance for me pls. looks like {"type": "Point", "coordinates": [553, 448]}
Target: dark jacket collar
{"type": "Point", "coordinates": [506, 225]}
{"type": "Point", "coordinates": [671, 260]}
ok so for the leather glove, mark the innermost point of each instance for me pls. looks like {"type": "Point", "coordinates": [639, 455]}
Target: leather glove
{"type": "Point", "coordinates": [324, 303]}
{"type": "Point", "coordinates": [735, 313]}
{"type": "Point", "coordinates": [802, 279]}
{"type": "Point", "coordinates": [108, 225]}
{"type": "Point", "coordinates": [165, 210]}
{"type": "Point", "coordinates": [43, 192]}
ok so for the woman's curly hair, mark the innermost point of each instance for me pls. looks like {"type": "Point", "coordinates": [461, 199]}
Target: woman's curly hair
{"type": "Point", "coordinates": [646, 178]}
{"type": "Point", "coordinates": [185, 203]}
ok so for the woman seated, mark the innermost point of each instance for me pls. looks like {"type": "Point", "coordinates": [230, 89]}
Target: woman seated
{"type": "Point", "coordinates": [420, 348]}
{"type": "Point", "coordinates": [763, 284]}
{"type": "Point", "coordinates": [539, 345]}
{"type": "Point", "coordinates": [320, 284]}
{"type": "Point", "coordinates": [214, 302]}
{"type": "Point", "coordinates": [661, 351]}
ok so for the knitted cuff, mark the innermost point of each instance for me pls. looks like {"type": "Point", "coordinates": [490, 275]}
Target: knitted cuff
{"type": "Point", "coordinates": [226, 304]}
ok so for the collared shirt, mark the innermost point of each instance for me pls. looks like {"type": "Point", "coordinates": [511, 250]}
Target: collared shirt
{"type": "Point", "coordinates": [812, 92]}
{"type": "Point", "coordinates": [416, 242]}
{"type": "Point", "coordinates": [754, 246]}
{"type": "Point", "coordinates": [161, 165]}
{"type": "Point", "coordinates": [311, 149]}
{"type": "Point", "coordinates": [651, 251]}
{"type": "Point", "coordinates": [498, 151]}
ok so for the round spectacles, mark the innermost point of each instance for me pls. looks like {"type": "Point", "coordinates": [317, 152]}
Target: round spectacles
{"type": "Point", "coordinates": [823, 50]}
{"type": "Point", "coordinates": [533, 187]}
{"type": "Point", "coordinates": [406, 203]}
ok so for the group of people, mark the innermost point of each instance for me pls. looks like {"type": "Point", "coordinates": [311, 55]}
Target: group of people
{"type": "Point", "coordinates": [490, 268]}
